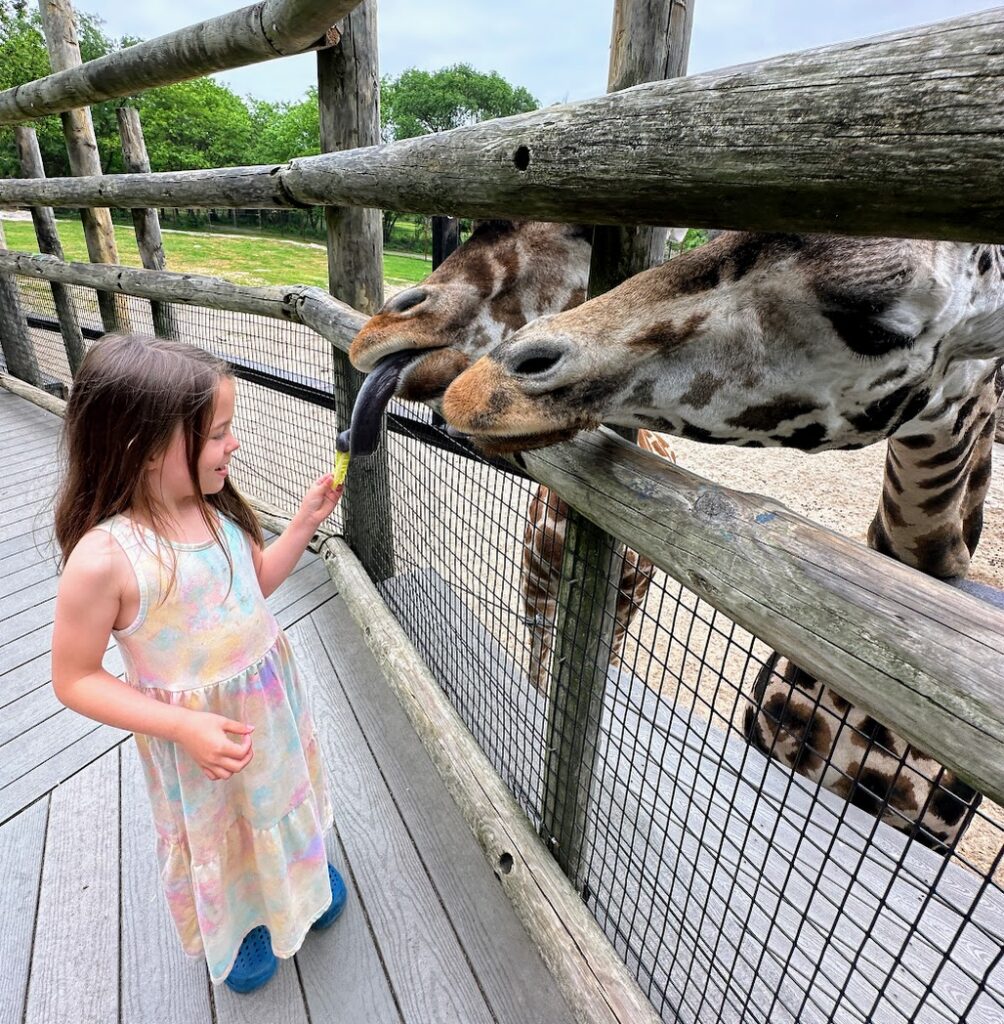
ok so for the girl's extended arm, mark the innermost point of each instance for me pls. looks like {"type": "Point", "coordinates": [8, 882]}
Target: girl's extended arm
{"type": "Point", "coordinates": [87, 604]}
{"type": "Point", "coordinates": [276, 562]}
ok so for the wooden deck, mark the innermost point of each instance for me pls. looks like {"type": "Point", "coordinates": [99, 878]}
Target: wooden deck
{"type": "Point", "coordinates": [427, 936]}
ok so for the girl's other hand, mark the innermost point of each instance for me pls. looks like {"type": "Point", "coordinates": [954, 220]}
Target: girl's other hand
{"type": "Point", "coordinates": [320, 501]}
{"type": "Point", "coordinates": [207, 739]}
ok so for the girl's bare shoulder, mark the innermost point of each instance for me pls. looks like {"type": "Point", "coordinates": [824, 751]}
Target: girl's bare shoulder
{"type": "Point", "coordinates": [97, 561]}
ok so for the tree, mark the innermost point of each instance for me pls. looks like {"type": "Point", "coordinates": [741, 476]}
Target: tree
{"type": "Point", "coordinates": [24, 57]}
{"type": "Point", "coordinates": [196, 125]}
{"type": "Point", "coordinates": [284, 131]}
{"type": "Point", "coordinates": [419, 102]}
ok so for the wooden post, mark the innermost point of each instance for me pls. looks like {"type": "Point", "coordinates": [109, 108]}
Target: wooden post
{"type": "Point", "coordinates": [15, 342]}
{"type": "Point", "coordinates": [146, 222]}
{"type": "Point", "coordinates": [445, 238]}
{"type": "Point", "coordinates": [646, 39]}
{"type": "Point", "coordinates": [82, 148]}
{"type": "Point", "coordinates": [348, 97]}
{"type": "Point", "coordinates": [47, 234]}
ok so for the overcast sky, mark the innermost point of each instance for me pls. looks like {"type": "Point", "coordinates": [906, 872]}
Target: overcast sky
{"type": "Point", "coordinates": [558, 49]}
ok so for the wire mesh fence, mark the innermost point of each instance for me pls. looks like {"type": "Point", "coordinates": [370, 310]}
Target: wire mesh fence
{"type": "Point", "coordinates": [734, 888]}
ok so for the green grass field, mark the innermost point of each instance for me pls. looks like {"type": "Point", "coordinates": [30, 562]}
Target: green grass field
{"type": "Point", "coordinates": [239, 258]}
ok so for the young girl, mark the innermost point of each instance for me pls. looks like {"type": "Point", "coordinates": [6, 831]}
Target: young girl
{"type": "Point", "coordinates": [161, 552]}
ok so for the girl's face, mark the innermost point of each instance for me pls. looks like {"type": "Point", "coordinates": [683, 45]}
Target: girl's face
{"type": "Point", "coordinates": [221, 444]}
{"type": "Point", "coordinates": [172, 466]}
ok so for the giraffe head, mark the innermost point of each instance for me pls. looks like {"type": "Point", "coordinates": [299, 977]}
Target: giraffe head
{"type": "Point", "coordinates": [811, 342]}
{"type": "Point", "coordinates": [505, 275]}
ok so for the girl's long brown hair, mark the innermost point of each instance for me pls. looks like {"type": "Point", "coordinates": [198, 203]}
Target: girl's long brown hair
{"type": "Point", "coordinates": [129, 396]}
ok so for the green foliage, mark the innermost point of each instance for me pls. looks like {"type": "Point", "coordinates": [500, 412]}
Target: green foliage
{"type": "Point", "coordinates": [419, 102]}
{"type": "Point", "coordinates": [286, 130]}
{"type": "Point", "coordinates": [195, 125]}
{"type": "Point", "coordinates": [693, 238]}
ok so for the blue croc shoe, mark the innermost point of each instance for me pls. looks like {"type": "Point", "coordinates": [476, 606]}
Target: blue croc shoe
{"type": "Point", "coordinates": [338, 897]}
{"type": "Point", "coordinates": [255, 962]}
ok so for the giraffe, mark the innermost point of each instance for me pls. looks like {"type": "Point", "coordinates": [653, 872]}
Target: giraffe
{"type": "Point", "coordinates": [507, 274]}
{"type": "Point", "coordinates": [543, 542]}
{"type": "Point", "coordinates": [806, 341]}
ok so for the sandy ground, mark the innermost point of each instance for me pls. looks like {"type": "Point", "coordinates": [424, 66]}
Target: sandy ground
{"type": "Point", "coordinates": [471, 522]}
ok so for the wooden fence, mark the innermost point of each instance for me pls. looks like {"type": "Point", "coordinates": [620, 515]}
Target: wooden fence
{"type": "Point", "coordinates": [836, 136]}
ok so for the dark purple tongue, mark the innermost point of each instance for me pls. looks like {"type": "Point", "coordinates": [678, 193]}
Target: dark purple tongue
{"type": "Point", "coordinates": [374, 396]}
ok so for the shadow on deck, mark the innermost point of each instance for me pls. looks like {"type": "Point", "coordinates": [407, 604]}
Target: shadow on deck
{"type": "Point", "coordinates": [427, 936]}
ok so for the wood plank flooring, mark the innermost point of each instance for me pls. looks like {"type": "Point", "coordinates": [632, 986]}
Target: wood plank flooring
{"type": "Point", "coordinates": [427, 936]}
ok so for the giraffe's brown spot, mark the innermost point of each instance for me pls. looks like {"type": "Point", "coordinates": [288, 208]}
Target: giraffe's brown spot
{"type": "Point", "coordinates": [891, 475]}
{"type": "Point", "coordinates": [965, 410]}
{"type": "Point", "coordinates": [891, 510]}
{"type": "Point", "coordinates": [840, 705]}
{"type": "Point", "coordinates": [941, 552]}
{"type": "Point", "coordinates": [873, 734]}
{"type": "Point", "coordinates": [953, 799]}
{"type": "Point", "coordinates": [917, 441]}
{"type": "Point", "coordinates": [875, 417]}
{"type": "Point", "coordinates": [667, 334]}
{"type": "Point", "coordinates": [939, 503]}
{"type": "Point", "coordinates": [889, 377]}
{"type": "Point", "coordinates": [985, 262]}
{"type": "Point", "coordinates": [703, 388]}
{"type": "Point", "coordinates": [979, 475]}
{"type": "Point", "coordinates": [941, 480]}
{"type": "Point", "coordinates": [769, 415]}
{"type": "Point", "coordinates": [958, 450]}
{"type": "Point", "coordinates": [642, 393]}
{"type": "Point", "coordinates": [972, 528]}
{"type": "Point", "coordinates": [806, 439]}
{"type": "Point", "coordinates": [800, 734]}
{"type": "Point", "coordinates": [873, 790]}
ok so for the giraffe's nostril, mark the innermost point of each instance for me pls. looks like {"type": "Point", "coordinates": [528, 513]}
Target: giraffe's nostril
{"type": "Point", "coordinates": [534, 365]}
{"type": "Point", "coordinates": [406, 300]}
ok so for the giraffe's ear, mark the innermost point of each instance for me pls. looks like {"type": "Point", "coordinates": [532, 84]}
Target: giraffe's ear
{"type": "Point", "coordinates": [977, 337]}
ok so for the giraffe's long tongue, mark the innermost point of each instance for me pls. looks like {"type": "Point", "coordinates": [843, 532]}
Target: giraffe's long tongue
{"type": "Point", "coordinates": [374, 396]}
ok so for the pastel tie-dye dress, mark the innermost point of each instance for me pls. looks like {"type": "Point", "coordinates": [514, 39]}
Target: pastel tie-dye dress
{"type": "Point", "coordinates": [248, 850]}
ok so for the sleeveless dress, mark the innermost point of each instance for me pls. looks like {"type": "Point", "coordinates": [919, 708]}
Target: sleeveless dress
{"type": "Point", "coordinates": [247, 850]}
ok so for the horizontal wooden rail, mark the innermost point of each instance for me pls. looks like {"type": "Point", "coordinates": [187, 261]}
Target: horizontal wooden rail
{"type": "Point", "coordinates": [263, 31]}
{"type": "Point", "coordinates": [920, 656]}
{"type": "Point", "coordinates": [899, 135]}
{"type": "Point", "coordinates": [333, 320]}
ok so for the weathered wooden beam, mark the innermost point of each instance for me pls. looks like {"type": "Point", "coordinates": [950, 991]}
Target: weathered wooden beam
{"type": "Point", "coordinates": [145, 220]}
{"type": "Point", "coordinates": [15, 342]}
{"type": "Point", "coordinates": [648, 42]}
{"type": "Point", "coordinates": [47, 235]}
{"type": "Point", "coordinates": [348, 84]}
{"type": "Point", "coordinates": [906, 648]}
{"type": "Point", "coordinates": [902, 135]}
{"type": "Point", "coordinates": [59, 26]}
{"type": "Point", "coordinates": [589, 972]}
{"type": "Point", "coordinates": [332, 319]}
{"type": "Point", "coordinates": [263, 31]}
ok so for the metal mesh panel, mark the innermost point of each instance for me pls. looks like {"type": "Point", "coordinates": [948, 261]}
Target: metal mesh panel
{"type": "Point", "coordinates": [734, 888]}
